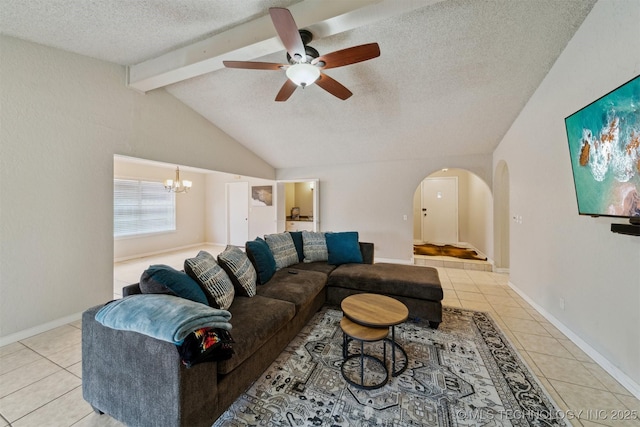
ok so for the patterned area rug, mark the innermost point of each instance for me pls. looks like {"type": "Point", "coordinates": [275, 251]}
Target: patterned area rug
{"type": "Point", "coordinates": [446, 250]}
{"type": "Point", "coordinates": [465, 373]}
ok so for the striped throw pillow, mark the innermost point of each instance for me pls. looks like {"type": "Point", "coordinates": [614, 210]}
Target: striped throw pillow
{"type": "Point", "coordinates": [283, 249]}
{"type": "Point", "coordinates": [212, 278]}
{"type": "Point", "coordinates": [314, 246]}
{"type": "Point", "coordinates": [240, 270]}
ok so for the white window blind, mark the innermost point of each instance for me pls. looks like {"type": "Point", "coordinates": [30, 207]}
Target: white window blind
{"type": "Point", "coordinates": [142, 207]}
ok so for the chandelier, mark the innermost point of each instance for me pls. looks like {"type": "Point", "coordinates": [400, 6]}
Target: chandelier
{"type": "Point", "coordinates": [177, 186]}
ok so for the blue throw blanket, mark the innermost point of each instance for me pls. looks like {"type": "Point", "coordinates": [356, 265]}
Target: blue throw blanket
{"type": "Point", "coordinates": [165, 317]}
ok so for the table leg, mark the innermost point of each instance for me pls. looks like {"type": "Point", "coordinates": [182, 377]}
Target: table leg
{"type": "Point", "coordinates": [362, 362]}
{"type": "Point", "coordinates": [393, 350]}
{"type": "Point", "coordinates": [361, 358]}
{"type": "Point", "coordinates": [395, 345]}
{"type": "Point", "coordinates": [345, 343]}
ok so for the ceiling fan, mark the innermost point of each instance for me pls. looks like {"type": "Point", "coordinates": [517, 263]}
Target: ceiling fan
{"type": "Point", "coordinates": [305, 63]}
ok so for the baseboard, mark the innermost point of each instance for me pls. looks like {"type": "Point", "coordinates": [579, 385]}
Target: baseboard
{"type": "Point", "coordinates": [27, 333]}
{"type": "Point", "coordinates": [617, 374]}
{"type": "Point", "coordinates": [164, 251]}
{"type": "Point", "coordinates": [394, 260]}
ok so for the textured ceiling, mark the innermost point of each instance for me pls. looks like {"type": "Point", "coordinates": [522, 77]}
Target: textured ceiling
{"type": "Point", "coordinates": [451, 78]}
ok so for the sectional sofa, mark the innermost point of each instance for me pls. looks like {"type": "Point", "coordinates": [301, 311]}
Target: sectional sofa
{"type": "Point", "coordinates": [143, 381]}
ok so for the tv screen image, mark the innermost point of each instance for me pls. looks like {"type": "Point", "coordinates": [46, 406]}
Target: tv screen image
{"type": "Point", "coordinates": [604, 145]}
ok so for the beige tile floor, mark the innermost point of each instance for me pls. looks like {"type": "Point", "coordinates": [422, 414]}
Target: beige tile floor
{"type": "Point", "coordinates": [40, 377]}
{"type": "Point", "coordinates": [127, 272]}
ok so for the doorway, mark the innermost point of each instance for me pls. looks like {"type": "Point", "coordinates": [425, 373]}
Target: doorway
{"type": "Point", "coordinates": [475, 218]}
{"type": "Point", "coordinates": [439, 210]}
{"type": "Point", "coordinates": [303, 195]}
{"type": "Point", "coordinates": [237, 213]}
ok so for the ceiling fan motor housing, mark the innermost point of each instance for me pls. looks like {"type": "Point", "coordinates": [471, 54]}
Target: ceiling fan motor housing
{"type": "Point", "coordinates": [306, 36]}
{"type": "Point", "coordinates": [311, 53]}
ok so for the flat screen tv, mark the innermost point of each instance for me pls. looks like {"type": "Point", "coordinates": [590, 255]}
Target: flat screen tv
{"type": "Point", "coordinates": [604, 144]}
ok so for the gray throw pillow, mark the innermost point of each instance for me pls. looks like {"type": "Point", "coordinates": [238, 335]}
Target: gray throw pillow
{"type": "Point", "coordinates": [283, 249]}
{"type": "Point", "coordinates": [240, 270]}
{"type": "Point", "coordinates": [314, 246]}
{"type": "Point", "coordinates": [212, 278]}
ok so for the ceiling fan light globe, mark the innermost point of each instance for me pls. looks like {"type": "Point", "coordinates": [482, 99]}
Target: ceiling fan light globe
{"type": "Point", "coordinates": [303, 74]}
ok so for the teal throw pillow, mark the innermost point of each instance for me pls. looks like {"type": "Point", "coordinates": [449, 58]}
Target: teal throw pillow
{"type": "Point", "coordinates": [262, 259]}
{"type": "Point", "coordinates": [343, 248]}
{"type": "Point", "coordinates": [298, 243]}
{"type": "Point", "coordinates": [163, 279]}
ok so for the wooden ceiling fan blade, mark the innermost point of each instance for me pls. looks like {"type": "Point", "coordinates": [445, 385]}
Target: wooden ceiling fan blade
{"type": "Point", "coordinates": [288, 32]}
{"type": "Point", "coordinates": [350, 55]}
{"type": "Point", "coordinates": [250, 65]}
{"type": "Point", "coordinates": [333, 87]}
{"type": "Point", "coordinates": [286, 90]}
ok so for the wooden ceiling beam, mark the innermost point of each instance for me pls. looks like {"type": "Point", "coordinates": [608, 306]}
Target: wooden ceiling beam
{"type": "Point", "coordinates": [258, 38]}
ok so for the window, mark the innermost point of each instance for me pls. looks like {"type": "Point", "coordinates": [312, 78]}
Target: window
{"type": "Point", "coordinates": [142, 207]}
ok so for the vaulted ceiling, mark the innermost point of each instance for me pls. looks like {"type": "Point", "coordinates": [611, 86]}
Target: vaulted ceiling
{"type": "Point", "coordinates": [452, 76]}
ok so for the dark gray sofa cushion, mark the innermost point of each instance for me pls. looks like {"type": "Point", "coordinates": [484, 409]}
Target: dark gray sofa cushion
{"type": "Point", "coordinates": [255, 321]}
{"type": "Point", "coordinates": [296, 286]}
{"type": "Point", "coordinates": [389, 279]}
{"type": "Point", "coordinates": [320, 266]}
{"type": "Point", "coordinates": [367, 250]}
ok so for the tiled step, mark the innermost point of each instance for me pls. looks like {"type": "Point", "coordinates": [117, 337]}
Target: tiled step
{"type": "Point", "coordinates": [450, 262]}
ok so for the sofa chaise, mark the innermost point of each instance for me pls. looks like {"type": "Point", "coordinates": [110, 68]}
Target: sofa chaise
{"type": "Point", "coordinates": [142, 381]}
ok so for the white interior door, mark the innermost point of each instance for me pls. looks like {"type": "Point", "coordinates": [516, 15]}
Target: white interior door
{"type": "Point", "coordinates": [237, 213]}
{"type": "Point", "coordinates": [440, 210]}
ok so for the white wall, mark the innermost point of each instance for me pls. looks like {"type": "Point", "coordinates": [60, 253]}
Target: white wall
{"type": "Point", "coordinates": [190, 211]}
{"type": "Point", "coordinates": [64, 116]}
{"type": "Point", "coordinates": [417, 214]}
{"type": "Point", "coordinates": [372, 198]}
{"type": "Point", "coordinates": [479, 230]}
{"type": "Point", "coordinates": [554, 252]}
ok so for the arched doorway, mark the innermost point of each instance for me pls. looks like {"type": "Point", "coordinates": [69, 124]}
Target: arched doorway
{"type": "Point", "coordinates": [501, 217]}
{"type": "Point", "coordinates": [475, 211]}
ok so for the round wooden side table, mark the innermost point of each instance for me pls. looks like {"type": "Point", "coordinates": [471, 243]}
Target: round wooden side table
{"type": "Point", "coordinates": [379, 311]}
{"type": "Point", "coordinates": [362, 334]}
